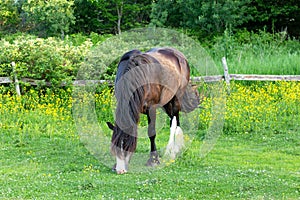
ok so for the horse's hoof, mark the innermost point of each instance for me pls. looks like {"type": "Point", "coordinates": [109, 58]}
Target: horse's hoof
{"type": "Point", "coordinates": [122, 171]}
{"type": "Point", "coordinates": [114, 168]}
{"type": "Point", "coordinates": [153, 160]}
{"type": "Point", "coordinates": [152, 163]}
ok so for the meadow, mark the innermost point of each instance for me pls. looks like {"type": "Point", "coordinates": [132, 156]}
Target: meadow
{"type": "Point", "coordinates": [257, 53]}
{"type": "Point", "coordinates": [256, 157]}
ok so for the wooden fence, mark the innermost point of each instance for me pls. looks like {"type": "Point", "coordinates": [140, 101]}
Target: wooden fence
{"type": "Point", "coordinates": [225, 77]}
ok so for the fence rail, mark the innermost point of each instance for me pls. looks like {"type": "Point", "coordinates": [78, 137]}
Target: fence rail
{"type": "Point", "coordinates": [4, 80]}
{"type": "Point", "coordinates": [216, 78]}
{"type": "Point", "coordinates": [247, 77]}
{"type": "Point", "coordinates": [226, 77]}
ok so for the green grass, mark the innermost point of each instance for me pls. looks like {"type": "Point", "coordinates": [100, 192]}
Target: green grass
{"type": "Point", "coordinates": [257, 156]}
{"type": "Point", "coordinates": [257, 53]}
{"type": "Point", "coordinates": [275, 62]}
{"type": "Point", "coordinates": [239, 167]}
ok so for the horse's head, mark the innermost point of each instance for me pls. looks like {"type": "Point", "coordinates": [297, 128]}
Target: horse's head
{"type": "Point", "coordinates": [191, 99]}
{"type": "Point", "coordinates": [116, 140]}
{"type": "Point", "coordinates": [122, 146]}
{"type": "Point", "coordinates": [116, 131]}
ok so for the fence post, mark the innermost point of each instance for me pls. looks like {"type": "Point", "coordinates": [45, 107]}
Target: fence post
{"type": "Point", "coordinates": [226, 74]}
{"type": "Point", "coordinates": [13, 64]}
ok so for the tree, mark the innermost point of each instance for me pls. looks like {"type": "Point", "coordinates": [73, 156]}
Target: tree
{"type": "Point", "coordinates": [110, 16]}
{"type": "Point", "coordinates": [49, 18]}
{"type": "Point", "coordinates": [207, 17]}
{"type": "Point", "coordinates": [211, 17]}
{"type": "Point", "coordinates": [9, 16]}
{"type": "Point", "coordinates": [88, 16]}
{"type": "Point", "coordinates": [275, 15]}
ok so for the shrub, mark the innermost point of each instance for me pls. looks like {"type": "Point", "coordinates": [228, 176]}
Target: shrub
{"type": "Point", "coordinates": [48, 60]}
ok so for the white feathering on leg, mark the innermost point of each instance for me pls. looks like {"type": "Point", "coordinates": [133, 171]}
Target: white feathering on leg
{"type": "Point", "coordinates": [176, 141]}
{"type": "Point", "coordinates": [179, 140]}
{"type": "Point", "coordinates": [173, 127]}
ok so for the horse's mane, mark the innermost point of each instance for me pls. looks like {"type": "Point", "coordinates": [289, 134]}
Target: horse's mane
{"type": "Point", "coordinates": [122, 66]}
{"type": "Point", "coordinates": [134, 75]}
{"type": "Point", "coordinates": [129, 92]}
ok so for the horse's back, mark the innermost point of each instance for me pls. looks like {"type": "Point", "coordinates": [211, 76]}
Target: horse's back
{"type": "Point", "coordinates": [168, 60]}
{"type": "Point", "coordinates": [162, 72]}
{"type": "Point", "coordinates": [173, 60]}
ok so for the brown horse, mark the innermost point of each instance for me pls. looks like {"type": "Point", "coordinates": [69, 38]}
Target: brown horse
{"type": "Point", "coordinates": [144, 82]}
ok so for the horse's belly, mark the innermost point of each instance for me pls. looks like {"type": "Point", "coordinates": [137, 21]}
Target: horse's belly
{"type": "Point", "coordinates": [157, 95]}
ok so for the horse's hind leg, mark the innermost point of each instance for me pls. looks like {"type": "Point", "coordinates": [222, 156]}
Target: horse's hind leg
{"type": "Point", "coordinates": [176, 140]}
{"type": "Point", "coordinates": [151, 115]}
{"type": "Point", "coordinates": [172, 109]}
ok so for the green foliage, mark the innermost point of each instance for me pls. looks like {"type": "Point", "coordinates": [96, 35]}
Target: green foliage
{"type": "Point", "coordinates": [217, 15]}
{"type": "Point", "coordinates": [49, 18]}
{"type": "Point", "coordinates": [89, 16]}
{"type": "Point", "coordinates": [211, 18]}
{"type": "Point", "coordinates": [275, 16]}
{"type": "Point", "coordinates": [207, 17]}
{"type": "Point", "coordinates": [79, 38]}
{"type": "Point", "coordinates": [9, 16]}
{"type": "Point", "coordinates": [102, 16]}
{"type": "Point", "coordinates": [48, 60]}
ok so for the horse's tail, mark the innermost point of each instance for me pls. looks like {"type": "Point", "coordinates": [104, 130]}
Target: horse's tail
{"type": "Point", "coordinates": [123, 144]}
{"type": "Point", "coordinates": [190, 100]}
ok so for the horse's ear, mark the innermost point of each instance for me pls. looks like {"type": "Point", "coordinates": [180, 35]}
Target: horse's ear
{"type": "Point", "coordinates": [110, 125]}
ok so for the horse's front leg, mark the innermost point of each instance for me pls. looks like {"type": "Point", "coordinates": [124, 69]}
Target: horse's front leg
{"type": "Point", "coordinates": [151, 115]}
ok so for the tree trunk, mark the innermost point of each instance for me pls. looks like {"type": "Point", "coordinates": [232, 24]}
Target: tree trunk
{"type": "Point", "coordinates": [62, 34]}
{"type": "Point", "coordinates": [120, 13]}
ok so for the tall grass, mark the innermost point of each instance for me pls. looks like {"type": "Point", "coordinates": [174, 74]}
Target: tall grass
{"type": "Point", "coordinates": [258, 53]}
{"type": "Point", "coordinates": [250, 109]}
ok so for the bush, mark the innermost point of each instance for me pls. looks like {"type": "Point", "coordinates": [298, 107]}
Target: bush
{"type": "Point", "coordinates": [48, 60]}
{"type": "Point", "coordinates": [79, 38]}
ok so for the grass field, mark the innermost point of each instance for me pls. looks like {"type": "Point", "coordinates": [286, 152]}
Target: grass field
{"type": "Point", "coordinates": [257, 156]}
{"type": "Point", "coordinates": [239, 167]}
{"type": "Point", "coordinates": [258, 53]}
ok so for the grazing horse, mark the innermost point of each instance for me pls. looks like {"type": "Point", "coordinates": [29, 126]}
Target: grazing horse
{"type": "Point", "coordinates": [144, 82]}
